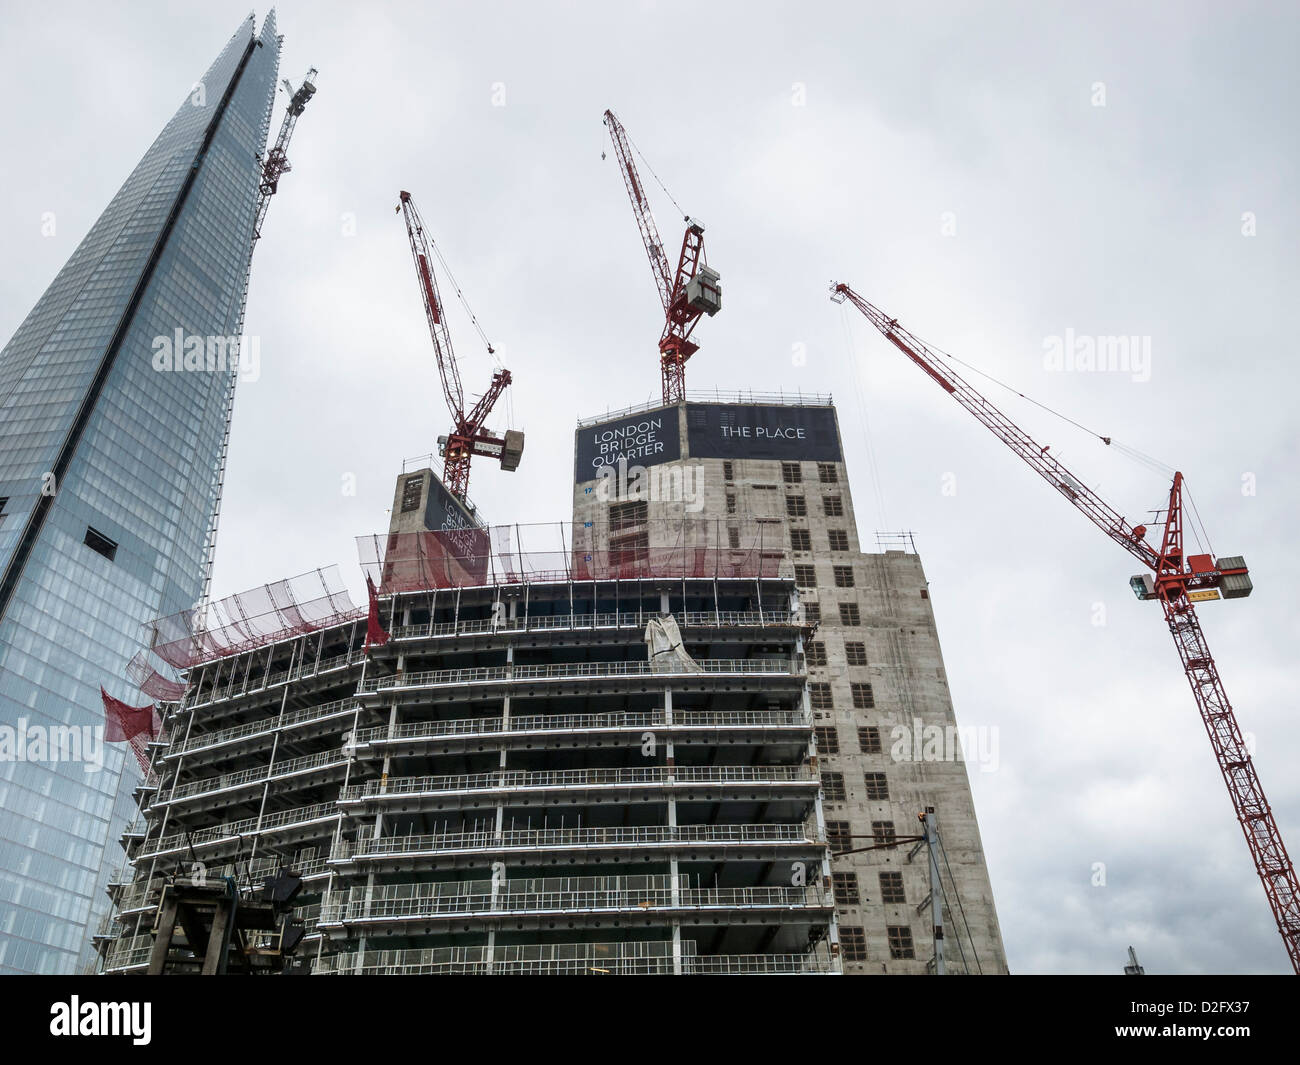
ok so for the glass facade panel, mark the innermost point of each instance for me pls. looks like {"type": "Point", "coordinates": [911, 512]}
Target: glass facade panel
{"type": "Point", "coordinates": [167, 258]}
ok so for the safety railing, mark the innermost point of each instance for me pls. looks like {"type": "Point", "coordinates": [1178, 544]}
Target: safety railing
{"type": "Point", "coordinates": [572, 778]}
{"type": "Point", "coordinates": [139, 894]}
{"type": "Point", "coordinates": [248, 826]}
{"type": "Point", "coordinates": [256, 775]}
{"type": "Point", "coordinates": [572, 671]}
{"type": "Point", "coordinates": [628, 957]}
{"type": "Point", "coordinates": [575, 838]}
{"type": "Point", "coordinates": [429, 963]}
{"type": "Point", "coordinates": [533, 723]}
{"type": "Point", "coordinates": [129, 953]}
{"type": "Point", "coordinates": [302, 815]}
{"type": "Point", "coordinates": [558, 894]}
{"type": "Point", "coordinates": [254, 681]}
{"type": "Point", "coordinates": [267, 725]}
{"type": "Point", "coordinates": [689, 619]}
{"type": "Point", "coordinates": [751, 964]}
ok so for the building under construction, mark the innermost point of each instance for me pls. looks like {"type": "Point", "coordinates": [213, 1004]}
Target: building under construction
{"type": "Point", "coordinates": [768, 472]}
{"type": "Point", "coordinates": [638, 742]}
{"type": "Point", "coordinates": [686, 732]}
{"type": "Point", "coordinates": [696, 729]}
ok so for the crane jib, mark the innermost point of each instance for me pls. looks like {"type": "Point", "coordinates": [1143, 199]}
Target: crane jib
{"type": "Point", "coordinates": [942, 381]}
{"type": "Point", "coordinates": [434, 309]}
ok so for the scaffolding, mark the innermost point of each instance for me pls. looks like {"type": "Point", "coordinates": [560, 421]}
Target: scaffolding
{"type": "Point", "coordinates": [290, 607]}
{"type": "Point", "coordinates": [144, 673]}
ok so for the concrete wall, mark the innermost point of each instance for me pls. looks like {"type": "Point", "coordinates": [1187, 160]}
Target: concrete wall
{"type": "Point", "coordinates": [920, 746]}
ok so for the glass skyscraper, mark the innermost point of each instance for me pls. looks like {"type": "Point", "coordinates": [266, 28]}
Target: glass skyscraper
{"type": "Point", "coordinates": [109, 482]}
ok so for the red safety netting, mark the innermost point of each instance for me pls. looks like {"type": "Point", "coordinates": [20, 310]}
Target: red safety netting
{"type": "Point", "coordinates": [310, 601]}
{"type": "Point", "coordinates": [510, 554]}
{"type": "Point", "coordinates": [144, 673]}
{"type": "Point", "coordinates": [134, 725]}
{"type": "Point", "coordinates": [376, 634]}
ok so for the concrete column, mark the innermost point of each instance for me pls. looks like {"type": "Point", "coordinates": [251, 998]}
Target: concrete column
{"type": "Point", "coordinates": [673, 864]}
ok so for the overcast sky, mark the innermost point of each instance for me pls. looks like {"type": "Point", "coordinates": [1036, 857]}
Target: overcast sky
{"type": "Point", "coordinates": [993, 175]}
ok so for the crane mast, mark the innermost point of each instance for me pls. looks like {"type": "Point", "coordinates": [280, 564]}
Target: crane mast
{"type": "Point", "coordinates": [1178, 581]}
{"type": "Point", "coordinates": [467, 437]}
{"type": "Point", "coordinates": [687, 293]}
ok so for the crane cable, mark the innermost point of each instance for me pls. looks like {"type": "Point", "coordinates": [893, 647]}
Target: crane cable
{"type": "Point", "coordinates": [1128, 452]}
{"type": "Point", "coordinates": [1141, 458]}
{"type": "Point", "coordinates": [646, 161]}
{"type": "Point", "coordinates": [1196, 514]}
{"type": "Point", "coordinates": [1131, 453]}
{"type": "Point", "coordinates": [1196, 525]}
{"type": "Point", "coordinates": [656, 177]}
{"type": "Point", "coordinates": [510, 403]}
{"type": "Point", "coordinates": [960, 908]}
{"type": "Point", "coordinates": [872, 466]}
{"type": "Point", "coordinates": [464, 302]}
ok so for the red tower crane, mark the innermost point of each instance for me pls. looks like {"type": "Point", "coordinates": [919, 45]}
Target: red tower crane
{"type": "Point", "coordinates": [1177, 581]}
{"type": "Point", "coordinates": [467, 437]}
{"type": "Point", "coordinates": [693, 290]}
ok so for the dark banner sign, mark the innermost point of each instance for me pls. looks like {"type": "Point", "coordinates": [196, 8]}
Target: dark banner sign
{"type": "Point", "coordinates": [735, 431]}
{"type": "Point", "coordinates": [458, 534]}
{"type": "Point", "coordinates": [641, 440]}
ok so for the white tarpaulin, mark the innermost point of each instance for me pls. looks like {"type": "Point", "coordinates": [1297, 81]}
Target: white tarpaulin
{"type": "Point", "coordinates": [664, 644]}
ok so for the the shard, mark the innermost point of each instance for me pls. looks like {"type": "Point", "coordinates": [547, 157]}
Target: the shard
{"type": "Point", "coordinates": [114, 396]}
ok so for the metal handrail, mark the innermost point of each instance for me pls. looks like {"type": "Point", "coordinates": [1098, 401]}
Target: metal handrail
{"type": "Point", "coordinates": [302, 814]}
{"type": "Point", "coordinates": [575, 837]}
{"type": "Point", "coordinates": [265, 725]}
{"type": "Point", "coordinates": [560, 722]}
{"type": "Point", "coordinates": [515, 779]}
{"type": "Point", "coordinates": [789, 964]}
{"type": "Point", "coordinates": [552, 894]}
{"type": "Point", "coordinates": [233, 689]}
{"type": "Point", "coordinates": [256, 775]}
{"type": "Point", "coordinates": [246, 827]}
{"type": "Point", "coordinates": [138, 893]}
{"type": "Point", "coordinates": [622, 619]}
{"type": "Point", "coordinates": [569, 670]}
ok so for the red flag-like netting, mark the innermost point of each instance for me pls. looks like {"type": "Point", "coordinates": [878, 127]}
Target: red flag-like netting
{"type": "Point", "coordinates": [122, 722]}
{"type": "Point", "coordinates": [310, 601]}
{"type": "Point", "coordinates": [509, 554]}
{"type": "Point", "coordinates": [133, 725]}
{"type": "Point", "coordinates": [376, 634]}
